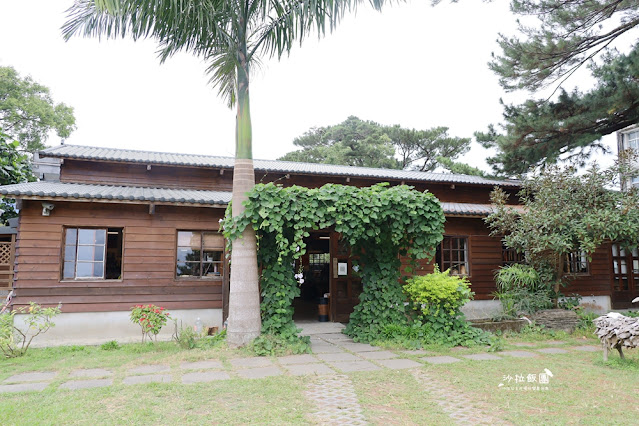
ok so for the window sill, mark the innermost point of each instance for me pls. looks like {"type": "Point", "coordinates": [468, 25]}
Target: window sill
{"type": "Point", "coordinates": [89, 280]}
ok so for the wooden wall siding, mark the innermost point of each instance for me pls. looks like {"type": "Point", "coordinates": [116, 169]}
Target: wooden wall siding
{"type": "Point", "coordinates": [103, 173]}
{"type": "Point", "coordinates": [148, 259]}
{"type": "Point", "coordinates": [599, 281]}
{"type": "Point", "coordinates": [91, 172]}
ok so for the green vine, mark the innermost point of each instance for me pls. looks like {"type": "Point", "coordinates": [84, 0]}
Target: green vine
{"type": "Point", "coordinates": [379, 223]}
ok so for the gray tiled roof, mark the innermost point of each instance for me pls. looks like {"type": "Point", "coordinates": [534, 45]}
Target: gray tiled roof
{"type": "Point", "coordinates": [49, 190]}
{"type": "Point", "coordinates": [118, 193]}
{"type": "Point", "coordinates": [196, 160]}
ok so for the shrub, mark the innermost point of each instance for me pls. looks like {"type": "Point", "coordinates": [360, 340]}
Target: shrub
{"type": "Point", "coordinates": [14, 341]}
{"type": "Point", "coordinates": [278, 344]}
{"type": "Point", "coordinates": [439, 290]}
{"type": "Point", "coordinates": [437, 299]}
{"type": "Point", "coordinates": [521, 290]}
{"type": "Point", "coordinates": [150, 318]}
{"type": "Point", "coordinates": [111, 345]}
{"type": "Point", "coordinates": [186, 337]}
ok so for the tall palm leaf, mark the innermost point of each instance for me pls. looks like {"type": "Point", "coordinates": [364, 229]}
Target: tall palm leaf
{"type": "Point", "coordinates": [231, 35]}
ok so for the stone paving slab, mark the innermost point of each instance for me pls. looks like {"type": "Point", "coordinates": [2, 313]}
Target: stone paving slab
{"type": "Point", "coordinates": [378, 355]}
{"type": "Point", "coordinates": [86, 384]}
{"type": "Point", "coordinates": [23, 387]}
{"type": "Point", "coordinates": [91, 373]}
{"type": "Point", "coordinates": [358, 347]}
{"type": "Point", "coordinates": [297, 359]}
{"type": "Point", "coordinates": [335, 400]}
{"type": "Point", "coordinates": [417, 352]}
{"type": "Point", "coordinates": [554, 342]}
{"type": "Point", "coordinates": [326, 349]}
{"type": "Point", "coordinates": [251, 362]}
{"type": "Point", "coordinates": [481, 357]}
{"type": "Point", "coordinates": [205, 377]}
{"type": "Point", "coordinates": [349, 366]}
{"type": "Point", "coordinates": [32, 376]}
{"type": "Point", "coordinates": [398, 364]}
{"type": "Point", "coordinates": [202, 365]}
{"type": "Point", "coordinates": [334, 337]}
{"type": "Point", "coordinates": [309, 369]}
{"type": "Point", "coordinates": [519, 354]}
{"type": "Point", "coordinates": [587, 348]}
{"type": "Point", "coordinates": [524, 345]}
{"type": "Point", "coordinates": [149, 369]}
{"type": "Point", "coordinates": [258, 373]}
{"type": "Point", "coordinates": [553, 351]}
{"type": "Point", "coordinates": [338, 357]}
{"type": "Point", "coordinates": [149, 378]}
{"type": "Point", "coordinates": [444, 359]}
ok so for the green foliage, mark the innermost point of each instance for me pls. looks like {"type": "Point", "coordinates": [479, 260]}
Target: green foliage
{"type": "Point", "coordinates": [278, 345]}
{"type": "Point", "coordinates": [14, 168]}
{"type": "Point", "coordinates": [353, 142]}
{"type": "Point", "coordinates": [461, 168]}
{"type": "Point", "coordinates": [150, 318]}
{"type": "Point", "coordinates": [186, 337]}
{"type": "Point", "coordinates": [569, 34]}
{"type": "Point", "coordinates": [379, 223]}
{"type": "Point", "coordinates": [437, 299]}
{"type": "Point", "coordinates": [111, 345]}
{"type": "Point", "coordinates": [564, 213]}
{"type": "Point", "coordinates": [356, 142]}
{"type": "Point", "coordinates": [15, 341]}
{"type": "Point", "coordinates": [521, 290]}
{"type": "Point", "coordinates": [208, 342]}
{"type": "Point", "coordinates": [438, 291]}
{"type": "Point", "coordinates": [28, 113]}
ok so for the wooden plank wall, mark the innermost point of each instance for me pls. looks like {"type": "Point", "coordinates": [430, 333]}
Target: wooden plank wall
{"type": "Point", "coordinates": [485, 259]}
{"type": "Point", "coordinates": [91, 172]}
{"type": "Point", "coordinates": [148, 258]}
{"type": "Point", "coordinates": [77, 171]}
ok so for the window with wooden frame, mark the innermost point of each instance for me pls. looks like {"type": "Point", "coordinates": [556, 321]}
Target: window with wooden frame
{"type": "Point", "coordinates": [576, 263]}
{"type": "Point", "coordinates": [510, 256]}
{"type": "Point", "coordinates": [92, 254]}
{"type": "Point", "coordinates": [200, 254]}
{"type": "Point", "coordinates": [452, 254]}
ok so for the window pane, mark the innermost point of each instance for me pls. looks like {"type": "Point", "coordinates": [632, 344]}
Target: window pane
{"type": "Point", "coordinates": [72, 235]}
{"type": "Point", "coordinates": [615, 251]}
{"type": "Point", "coordinates": [188, 269]}
{"type": "Point", "coordinates": [98, 269]}
{"type": "Point", "coordinates": [187, 254]}
{"type": "Point", "coordinates": [69, 253]}
{"type": "Point", "coordinates": [213, 240]}
{"type": "Point", "coordinates": [91, 253]}
{"type": "Point", "coordinates": [212, 256]}
{"type": "Point", "coordinates": [189, 239]}
{"type": "Point", "coordinates": [69, 270]}
{"type": "Point", "coordinates": [100, 236]}
{"type": "Point", "coordinates": [86, 236]}
{"type": "Point", "coordinates": [211, 269]}
{"type": "Point", "coordinates": [85, 269]}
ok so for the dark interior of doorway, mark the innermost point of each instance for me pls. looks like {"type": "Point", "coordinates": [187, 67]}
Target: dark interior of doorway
{"type": "Point", "coordinates": [316, 270]}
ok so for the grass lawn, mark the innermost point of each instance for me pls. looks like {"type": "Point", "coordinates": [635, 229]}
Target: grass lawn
{"type": "Point", "coordinates": [582, 390]}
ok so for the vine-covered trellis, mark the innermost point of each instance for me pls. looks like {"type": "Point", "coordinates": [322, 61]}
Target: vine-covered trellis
{"type": "Point", "coordinates": [380, 223]}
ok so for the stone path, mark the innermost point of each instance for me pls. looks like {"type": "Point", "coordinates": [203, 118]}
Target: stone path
{"type": "Point", "coordinates": [461, 409]}
{"type": "Point", "coordinates": [334, 354]}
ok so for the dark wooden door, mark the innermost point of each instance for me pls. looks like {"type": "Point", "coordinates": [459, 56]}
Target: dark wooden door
{"type": "Point", "coordinates": [345, 285]}
{"type": "Point", "coordinates": [625, 276]}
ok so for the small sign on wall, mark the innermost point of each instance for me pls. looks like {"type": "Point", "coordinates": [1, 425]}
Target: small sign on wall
{"type": "Point", "coordinates": [342, 268]}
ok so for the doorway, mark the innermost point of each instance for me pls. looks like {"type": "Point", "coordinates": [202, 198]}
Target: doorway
{"type": "Point", "coordinates": [315, 266]}
{"type": "Point", "coordinates": [328, 271]}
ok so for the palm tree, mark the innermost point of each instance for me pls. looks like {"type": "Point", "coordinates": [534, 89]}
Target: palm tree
{"type": "Point", "coordinates": [231, 35]}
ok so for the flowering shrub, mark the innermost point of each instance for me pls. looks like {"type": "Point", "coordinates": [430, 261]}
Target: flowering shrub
{"type": "Point", "coordinates": [150, 318]}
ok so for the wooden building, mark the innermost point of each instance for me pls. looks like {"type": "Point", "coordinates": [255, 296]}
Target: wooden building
{"type": "Point", "coordinates": [106, 229]}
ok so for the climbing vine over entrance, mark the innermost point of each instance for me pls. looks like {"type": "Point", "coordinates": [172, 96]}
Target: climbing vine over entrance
{"type": "Point", "coordinates": [380, 223]}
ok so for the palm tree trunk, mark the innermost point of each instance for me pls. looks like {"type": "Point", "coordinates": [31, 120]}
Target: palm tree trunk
{"type": "Point", "coordinates": [244, 323]}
